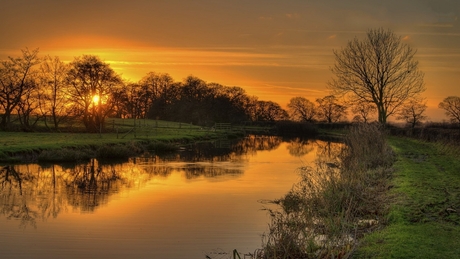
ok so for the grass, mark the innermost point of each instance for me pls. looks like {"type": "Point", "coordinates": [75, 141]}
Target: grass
{"type": "Point", "coordinates": [119, 133]}
{"type": "Point", "coordinates": [424, 217]}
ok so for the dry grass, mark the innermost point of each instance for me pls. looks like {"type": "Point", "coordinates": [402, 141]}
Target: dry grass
{"type": "Point", "coordinates": [335, 202]}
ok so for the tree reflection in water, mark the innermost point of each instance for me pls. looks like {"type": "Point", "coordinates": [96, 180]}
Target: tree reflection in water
{"type": "Point", "coordinates": [31, 193]}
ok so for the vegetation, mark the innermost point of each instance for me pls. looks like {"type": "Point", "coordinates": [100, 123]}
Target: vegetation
{"type": "Point", "coordinates": [424, 217]}
{"type": "Point", "coordinates": [335, 203]}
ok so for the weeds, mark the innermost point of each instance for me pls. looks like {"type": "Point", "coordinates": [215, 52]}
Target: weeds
{"type": "Point", "coordinates": [335, 202]}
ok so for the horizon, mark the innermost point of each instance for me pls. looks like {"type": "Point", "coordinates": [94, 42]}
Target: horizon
{"type": "Point", "coordinates": [273, 50]}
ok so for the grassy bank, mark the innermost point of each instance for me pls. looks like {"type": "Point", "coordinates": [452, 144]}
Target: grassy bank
{"type": "Point", "coordinates": [17, 146]}
{"type": "Point", "coordinates": [424, 217]}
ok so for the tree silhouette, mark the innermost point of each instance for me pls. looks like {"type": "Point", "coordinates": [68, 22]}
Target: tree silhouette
{"type": "Point", "coordinates": [52, 97]}
{"type": "Point", "coordinates": [412, 112]}
{"type": "Point", "coordinates": [16, 81]}
{"type": "Point", "coordinates": [92, 82]}
{"type": "Point", "coordinates": [451, 105]}
{"type": "Point", "coordinates": [379, 69]}
{"type": "Point", "coordinates": [301, 109]}
{"type": "Point", "coordinates": [329, 110]}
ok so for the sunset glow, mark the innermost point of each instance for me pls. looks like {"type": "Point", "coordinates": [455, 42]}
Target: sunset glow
{"type": "Point", "coordinates": [275, 51]}
{"type": "Point", "coordinates": [96, 99]}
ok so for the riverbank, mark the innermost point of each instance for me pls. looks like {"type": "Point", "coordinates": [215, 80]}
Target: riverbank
{"type": "Point", "coordinates": [27, 147]}
{"type": "Point", "coordinates": [424, 214]}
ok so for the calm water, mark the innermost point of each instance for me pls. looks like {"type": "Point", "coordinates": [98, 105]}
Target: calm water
{"type": "Point", "coordinates": [202, 201]}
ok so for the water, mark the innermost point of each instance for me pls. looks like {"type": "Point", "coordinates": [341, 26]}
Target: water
{"type": "Point", "coordinates": [202, 201]}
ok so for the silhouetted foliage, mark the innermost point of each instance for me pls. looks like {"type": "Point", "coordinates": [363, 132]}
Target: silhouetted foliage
{"type": "Point", "coordinates": [92, 82]}
{"type": "Point", "coordinates": [17, 81]}
{"type": "Point", "coordinates": [330, 110]}
{"type": "Point", "coordinates": [302, 109]}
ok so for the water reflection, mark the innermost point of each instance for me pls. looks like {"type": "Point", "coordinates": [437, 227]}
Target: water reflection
{"type": "Point", "coordinates": [203, 198]}
{"type": "Point", "coordinates": [35, 192]}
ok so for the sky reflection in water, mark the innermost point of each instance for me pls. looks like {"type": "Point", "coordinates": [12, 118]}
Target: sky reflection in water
{"type": "Point", "coordinates": [201, 201]}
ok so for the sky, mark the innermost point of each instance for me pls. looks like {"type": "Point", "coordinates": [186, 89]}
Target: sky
{"type": "Point", "coordinates": [274, 49]}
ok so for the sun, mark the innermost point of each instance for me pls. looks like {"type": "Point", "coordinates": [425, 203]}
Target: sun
{"type": "Point", "coordinates": [96, 99]}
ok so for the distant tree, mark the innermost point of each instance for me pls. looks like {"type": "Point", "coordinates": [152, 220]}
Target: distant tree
{"type": "Point", "coordinates": [161, 91]}
{"type": "Point", "coordinates": [16, 80]}
{"type": "Point", "coordinates": [52, 92]}
{"type": "Point", "coordinates": [270, 111]}
{"type": "Point", "coordinates": [363, 111]}
{"type": "Point", "coordinates": [28, 106]}
{"type": "Point", "coordinates": [92, 83]}
{"type": "Point", "coordinates": [412, 112]}
{"type": "Point", "coordinates": [301, 109]}
{"type": "Point", "coordinates": [156, 92]}
{"type": "Point", "coordinates": [451, 105]}
{"type": "Point", "coordinates": [329, 109]}
{"type": "Point", "coordinates": [379, 69]}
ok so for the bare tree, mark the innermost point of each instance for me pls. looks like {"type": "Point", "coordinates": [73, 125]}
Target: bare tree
{"type": "Point", "coordinates": [92, 82]}
{"type": "Point", "coordinates": [451, 105]}
{"type": "Point", "coordinates": [16, 79]}
{"type": "Point", "coordinates": [412, 112]}
{"type": "Point", "coordinates": [52, 94]}
{"type": "Point", "coordinates": [329, 109]}
{"type": "Point", "coordinates": [301, 109]}
{"type": "Point", "coordinates": [379, 69]}
{"type": "Point", "coordinates": [363, 111]}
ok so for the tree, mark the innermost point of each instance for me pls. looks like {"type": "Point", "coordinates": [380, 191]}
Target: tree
{"type": "Point", "coordinates": [52, 93]}
{"type": "Point", "coordinates": [92, 82]}
{"type": "Point", "coordinates": [157, 87]}
{"type": "Point", "coordinates": [379, 69]}
{"type": "Point", "coordinates": [270, 111]}
{"type": "Point", "coordinates": [363, 111]}
{"type": "Point", "coordinates": [451, 105]}
{"type": "Point", "coordinates": [16, 80]}
{"type": "Point", "coordinates": [412, 112]}
{"type": "Point", "coordinates": [301, 109]}
{"type": "Point", "coordinates": [330, 110]}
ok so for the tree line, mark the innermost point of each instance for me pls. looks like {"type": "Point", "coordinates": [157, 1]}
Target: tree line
{"type": "Point", "coordinates": [33, 88]}
{"type": "Point", "coordinates": [376, 75]}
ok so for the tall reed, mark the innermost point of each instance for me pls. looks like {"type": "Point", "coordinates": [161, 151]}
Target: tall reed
{"type": "Point", "coordinates": [335, 202]}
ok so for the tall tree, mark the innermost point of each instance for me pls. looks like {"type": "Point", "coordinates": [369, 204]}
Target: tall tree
{"type": "Point", "coordinates": [301, 109]}
{"type": "Point", "coordinates": [92, 82]}
{"type": "Point", "coordinates": [16, 80]}
{"type": "Point", "coordinates": [451, 105]}
{"type": "Point", "coordinates": [330, 110]}
{"type": "Point", "coordinates": [52, 93]}
{"type": "Point", "coordinates": [379, 69]}
{"type": "Point", "coordinates": [413, 112]}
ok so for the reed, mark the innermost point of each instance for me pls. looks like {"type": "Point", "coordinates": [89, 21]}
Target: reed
{"type": "Point", "coordinates": [335, 202]}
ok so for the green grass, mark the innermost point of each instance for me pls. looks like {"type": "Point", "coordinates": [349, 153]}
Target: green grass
{"type": "Point", "coordinates": [424, 217]}
{"type": "Point", "coordinates": [117, 131]}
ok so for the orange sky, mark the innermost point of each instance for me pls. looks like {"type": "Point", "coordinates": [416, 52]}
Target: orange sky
{"type": "Point", "coordinates": [273, 49]}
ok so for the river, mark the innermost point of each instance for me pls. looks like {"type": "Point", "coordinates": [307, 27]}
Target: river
{"type": "Point", "coordinates": [201, 202]}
